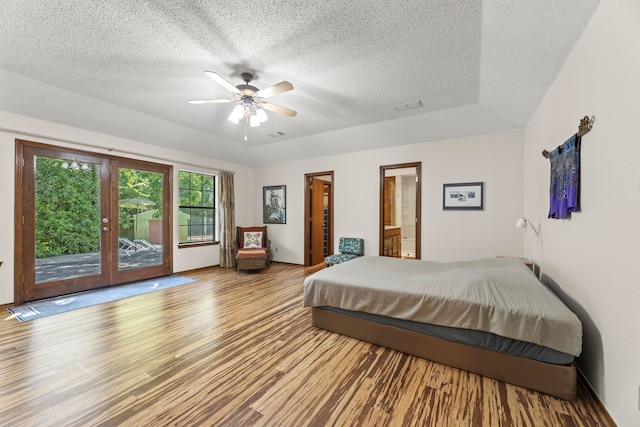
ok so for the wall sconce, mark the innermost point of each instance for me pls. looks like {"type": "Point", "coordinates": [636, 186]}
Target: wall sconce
{"type": "Point", "coordinates": [522, 223]}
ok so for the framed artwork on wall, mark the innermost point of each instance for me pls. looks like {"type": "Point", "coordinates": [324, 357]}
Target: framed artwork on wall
{"type": "Point", "coordinates": [274, 205]}
{"type": "Point", "coordinates": [463, 196]}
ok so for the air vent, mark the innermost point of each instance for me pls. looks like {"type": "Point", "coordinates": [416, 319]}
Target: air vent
{"type": "Point", "coordinates": [408, 106]}
{"type": "Point", "coordinates": [276, 134]}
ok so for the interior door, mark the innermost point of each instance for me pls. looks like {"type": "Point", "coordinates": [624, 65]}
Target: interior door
{"type": "Point", "coordinates": [318, 229]}
{"type": "Point", "coordinates": [71, 216]}
{"type": "Point", "coordinates": [317, 222]}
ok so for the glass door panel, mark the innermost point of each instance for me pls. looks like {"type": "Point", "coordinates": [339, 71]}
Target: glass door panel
{"type": "Point", "coordinates": [141, 201]}
{"type": "Point", "coordinates": [68, 219]}
{"type": "Point", "coordinates": [140, 218]}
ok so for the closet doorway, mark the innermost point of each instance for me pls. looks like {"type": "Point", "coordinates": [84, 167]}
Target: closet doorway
{"type": "Point", "coordinates": [318, 217]}
{"type": "Point", "coordinates": [86, 220]}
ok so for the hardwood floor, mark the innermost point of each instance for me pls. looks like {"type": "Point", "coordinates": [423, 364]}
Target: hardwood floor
{"type": "Point", "coordinates": [238, 350]}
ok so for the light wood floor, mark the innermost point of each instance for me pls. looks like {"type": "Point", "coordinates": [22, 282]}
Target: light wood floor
{"type": "Point", "coordinates": [238, 350]}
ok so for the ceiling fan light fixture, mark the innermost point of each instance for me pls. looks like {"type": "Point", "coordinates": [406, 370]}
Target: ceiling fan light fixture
{"type": "Point", "coordinates": [236, 114]}
{"type": "Point", "coordinates": [254, 121]}
{"type": "Point", "coordinates": [250, 107]}
{"type": "Point", "coordinates": [261, 115]}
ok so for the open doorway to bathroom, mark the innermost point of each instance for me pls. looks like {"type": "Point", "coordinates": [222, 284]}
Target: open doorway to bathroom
{"type": "Point", "coordinates": [400, 207]}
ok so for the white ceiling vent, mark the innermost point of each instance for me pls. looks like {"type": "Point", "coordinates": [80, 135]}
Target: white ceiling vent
{"type": "Point", "coordinates": [408, 106]}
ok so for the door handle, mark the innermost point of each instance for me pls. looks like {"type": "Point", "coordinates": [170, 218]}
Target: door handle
{"type": "Point", "coordinates": [105, 228]}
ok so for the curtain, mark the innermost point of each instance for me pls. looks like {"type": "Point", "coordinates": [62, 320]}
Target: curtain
{"type": "Point", "coordinates": [227, 217]}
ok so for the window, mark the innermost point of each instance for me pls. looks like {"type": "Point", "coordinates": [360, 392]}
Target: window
{"type": "Point", "coordinates": [196, 217]}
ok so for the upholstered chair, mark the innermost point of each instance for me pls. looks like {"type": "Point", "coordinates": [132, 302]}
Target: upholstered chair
{"type": "Point", "coordinates": [253, 251]}
{"type": "Point", "coordinates": [349, 248]}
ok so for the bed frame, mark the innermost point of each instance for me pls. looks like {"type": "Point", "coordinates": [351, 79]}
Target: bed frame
{"type": "Point", "coordinates": [555, 380]}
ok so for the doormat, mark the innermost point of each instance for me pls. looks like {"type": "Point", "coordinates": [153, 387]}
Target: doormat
{"type": "Point", "coordinates": [64, 303]}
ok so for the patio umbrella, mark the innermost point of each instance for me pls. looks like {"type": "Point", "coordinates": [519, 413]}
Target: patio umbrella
{"type": "Point", "coordinates": [136, 203]}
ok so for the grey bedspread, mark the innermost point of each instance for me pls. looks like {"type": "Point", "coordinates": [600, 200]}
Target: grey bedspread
{"type": "Point", "coordinates": [499, 295]}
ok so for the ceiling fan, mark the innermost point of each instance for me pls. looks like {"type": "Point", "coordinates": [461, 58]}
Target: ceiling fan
{"type": "Point", "coordinates": [250, 99]}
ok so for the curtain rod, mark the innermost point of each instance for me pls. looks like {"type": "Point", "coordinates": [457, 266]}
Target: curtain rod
{"type": "Point", "coordinates": [111, 149]}
{"type": "Point", "coordinates": [584, 128]}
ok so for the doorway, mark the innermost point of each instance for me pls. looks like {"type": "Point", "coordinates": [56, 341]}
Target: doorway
{"type": "Point", "coordinates": [400, 210]}
{"type": "Point", "coordinates": [318, 217]}
{"type": "Point", "coordinates": [87, 221]}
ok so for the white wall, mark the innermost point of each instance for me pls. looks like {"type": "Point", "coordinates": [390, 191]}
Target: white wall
{"type": "Point", "coordinates": [495, 159]}
{"type": "Point", "coordinates": [50, 133]}
{"type": "Point", "coordinates": [592, 258]}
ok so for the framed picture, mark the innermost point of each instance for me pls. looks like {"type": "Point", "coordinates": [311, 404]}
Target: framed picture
{"type": "Point", "coordinates": [274, 205]}
{"type": "Point", "coordinates": [467, 195]}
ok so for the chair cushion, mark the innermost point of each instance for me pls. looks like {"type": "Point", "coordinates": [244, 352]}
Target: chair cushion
{"type": "Point", "coordinates": [339, 258]}
{"type": "Point", "coordinates": [351, 245]}
{"type": "Point", "coordinates": [261, 252]}
{"type": "Point", "coordinates": [252, 239]}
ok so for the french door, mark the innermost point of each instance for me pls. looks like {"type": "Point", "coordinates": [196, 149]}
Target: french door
{"type": "Point", "coordinates": [85, 220]}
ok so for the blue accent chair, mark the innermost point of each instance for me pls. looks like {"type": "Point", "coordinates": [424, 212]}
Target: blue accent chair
{"type": "Point", "coordinates": [349, 248]}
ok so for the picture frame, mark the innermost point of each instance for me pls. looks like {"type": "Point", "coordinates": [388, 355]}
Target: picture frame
{"type": "Point", "coordinates": [463, 196]}
{"type": "Point", "coordinates": [274, 204]}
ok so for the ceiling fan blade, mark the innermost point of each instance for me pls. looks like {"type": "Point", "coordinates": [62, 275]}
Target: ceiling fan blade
{"type": "Point", "coordinates": [277, 88]}
{"type": "Point", "coordinates": [209, 101]}
{"type": "Point", "coordinates": [221, 81]}
{"type": "Point", "coordinates": [278, 109]}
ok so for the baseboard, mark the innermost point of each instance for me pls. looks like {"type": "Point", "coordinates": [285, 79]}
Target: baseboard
{"type": "Point", "coordinates": [593, 395]}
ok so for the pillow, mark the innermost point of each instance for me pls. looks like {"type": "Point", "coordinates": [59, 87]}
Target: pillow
{"type": "Point", "coordinates": [253, 239]}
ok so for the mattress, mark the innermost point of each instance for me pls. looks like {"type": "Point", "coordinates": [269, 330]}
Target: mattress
{"type": "Point", "coordinates": [496, 296]}
{"type": "Point", "coordinates": [474, 338]}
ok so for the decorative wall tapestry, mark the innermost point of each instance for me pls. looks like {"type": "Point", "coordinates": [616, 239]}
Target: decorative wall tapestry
{"type": "Point", "coordinates": [564, 196]}
{"type": "Point", "coordinates": [564, 191]}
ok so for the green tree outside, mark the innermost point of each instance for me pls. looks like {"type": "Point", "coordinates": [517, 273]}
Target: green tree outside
{"type": "Point", "coordinates": [68, 209]}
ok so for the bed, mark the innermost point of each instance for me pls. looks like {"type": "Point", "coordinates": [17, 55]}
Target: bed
{"type": "Point", "coordinates": [492, 317]}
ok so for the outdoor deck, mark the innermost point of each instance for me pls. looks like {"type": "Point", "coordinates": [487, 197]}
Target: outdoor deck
{"type": "Point", "coordinates": [67, 266]}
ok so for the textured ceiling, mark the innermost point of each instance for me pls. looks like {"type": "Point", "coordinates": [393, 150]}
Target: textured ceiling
{"type": "Point", "coordinates": [129, 67]}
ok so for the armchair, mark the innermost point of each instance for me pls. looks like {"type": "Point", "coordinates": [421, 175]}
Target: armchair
{"type": "Point", "coordinates": [253, 248]}
{"type": "Point", "coordinates": [349, 247]}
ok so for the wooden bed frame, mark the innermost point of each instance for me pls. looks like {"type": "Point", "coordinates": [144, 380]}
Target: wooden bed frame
{"type": "Point", "coordinates": [556, 380]}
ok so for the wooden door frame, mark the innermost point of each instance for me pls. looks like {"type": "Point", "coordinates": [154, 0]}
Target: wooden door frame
{"type": "Point", "coordinates": [307, 212]}
{"type": "Point", "coordinates": [418, 166]}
